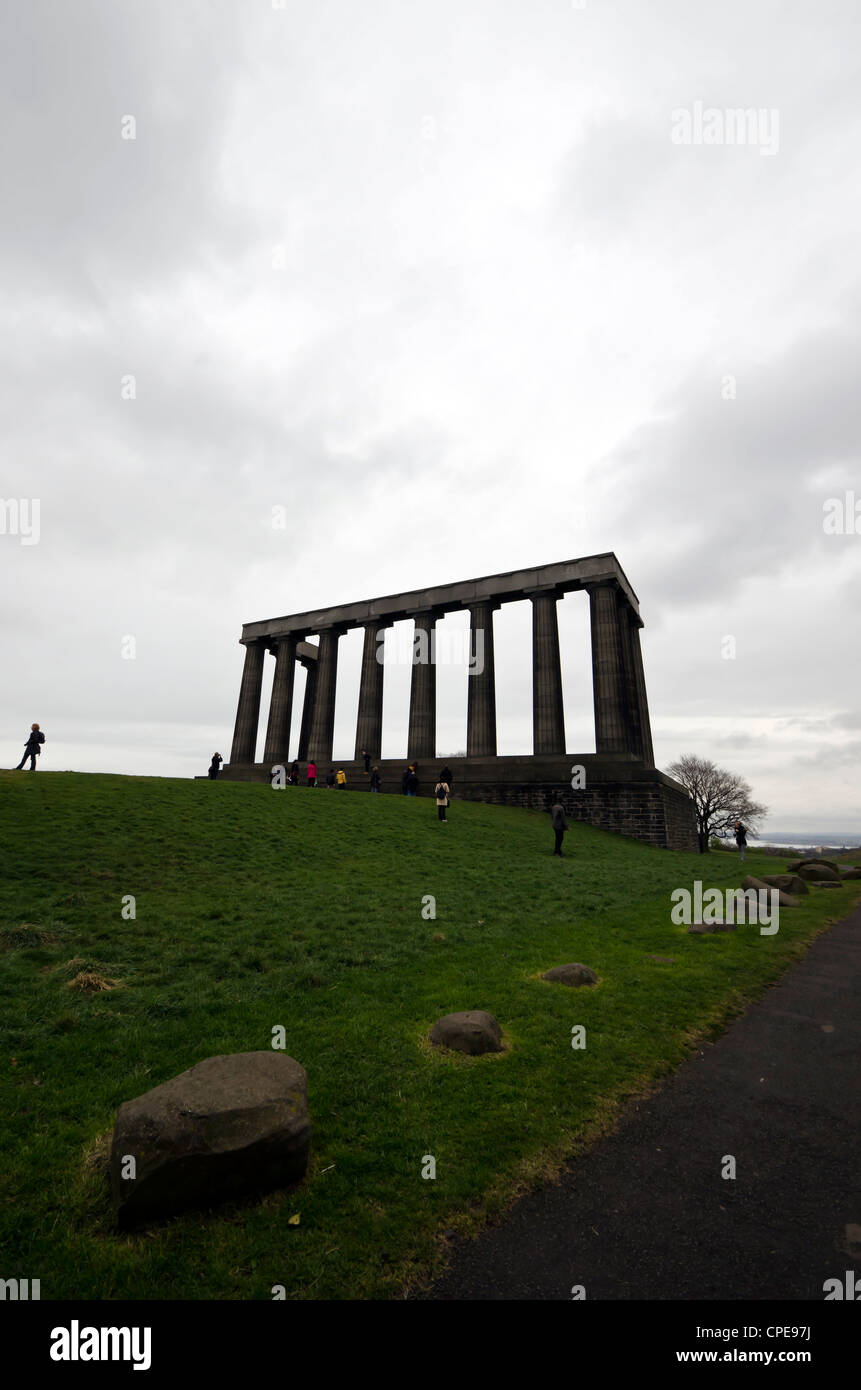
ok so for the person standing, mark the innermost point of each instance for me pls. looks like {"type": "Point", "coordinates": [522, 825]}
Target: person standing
{"type": "Point", "coordinates": [412, 781]}
{"type": "Point", "coordinates": [367, 760]}
{"type": "Point", "coordinates": [312, 774]}
{"type": "Point", "coordinates": [294, 773]}
{"type": "Point", "coordinates": [341, 779]}
{"type": "Point", "coordinates": [445, 775]}
{"type": "Point", "coordinates": [405, 780]}
{"type": "Point", "coordinates": [32, 748]}
{"type": "Point", "coordinates": [215, 765]}
{"type": "Point", "coordinates": [375, 779]}
{"type": "Point", "coordinates": [560, 824]}
{"type": "Point", "coordinates": [741, 837]}
{"type": "Point", "coordinates": [442, 792]}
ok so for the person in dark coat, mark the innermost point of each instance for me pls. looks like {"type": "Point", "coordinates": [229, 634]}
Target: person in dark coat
{"type": "Point", "coordinates": [741, 837]}
{"type": "Point", "coordinates": [215, 765]}
{"type": "Point", "coordinates": [445, 775]}
{"type": "Point", "coordinates": [412, 782]}
{"type": "Point", "coordinates": [375, 779]}
{"type": "Point", "coordinates": [559, 823]}
{"type": "Point", "coordinates": [294, 772]}
{"type": "Point", "coordinates": [367, 759]}
{"type": "Point", "coordinates": [404, 781]}
{"type": "Point", "coordinates": [32, 748]}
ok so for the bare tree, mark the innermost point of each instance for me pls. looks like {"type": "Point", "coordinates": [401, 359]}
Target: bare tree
{"type": "Point", "coordinates": [720, 797]}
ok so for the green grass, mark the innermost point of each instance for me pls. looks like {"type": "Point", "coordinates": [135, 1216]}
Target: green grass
{"type": "Point", "coordinates": [303, 908]}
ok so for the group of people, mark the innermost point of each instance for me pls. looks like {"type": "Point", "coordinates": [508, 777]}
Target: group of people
{"type": "Point", "coordinates": [409, 787]}
{"type": "Point", "coordinates": [409, 781]}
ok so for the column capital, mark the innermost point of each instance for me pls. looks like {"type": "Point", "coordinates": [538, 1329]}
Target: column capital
{"type": "Point", "coordinates": [544, 591]}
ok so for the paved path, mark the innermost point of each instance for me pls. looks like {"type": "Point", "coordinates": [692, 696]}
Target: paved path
{"type": "Point", "coordinates": [646, 1215]}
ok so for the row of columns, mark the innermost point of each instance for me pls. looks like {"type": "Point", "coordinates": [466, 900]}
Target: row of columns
{"type": "Point", "coordinates": [619, 688]}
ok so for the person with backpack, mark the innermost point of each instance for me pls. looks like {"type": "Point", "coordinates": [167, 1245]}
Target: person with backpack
{"type": "Point", "coordinates": [375, 779]}
{"type": "Point", "coordinates": [442, 792]}
{"type": "Point", "coordinates": [215, 765]}
{"type": "Point", "coordinates": [32, 748]}
{"type": "Point", "coordinates": [741, 837]}
{"type": "Point", "coordinates": [559, 823]}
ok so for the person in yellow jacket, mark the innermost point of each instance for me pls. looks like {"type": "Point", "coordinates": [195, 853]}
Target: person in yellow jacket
{"type": "Point", "coordinates": [341, 778]}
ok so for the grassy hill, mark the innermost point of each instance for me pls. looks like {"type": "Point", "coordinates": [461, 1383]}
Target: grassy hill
{"type": "Point", "coordinates": [256, 908]}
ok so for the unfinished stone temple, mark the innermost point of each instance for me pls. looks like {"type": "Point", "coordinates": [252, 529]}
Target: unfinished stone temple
{"type": "Point", "coordinates": [621, 789]}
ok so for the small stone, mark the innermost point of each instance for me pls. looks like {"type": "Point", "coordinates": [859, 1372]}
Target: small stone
{"type": "Point", "coordinates": [572, 974]}
{"type": "Point", "coordinates": [474, 1031]}
{"type": "Point", "coordinates": [709, 928]}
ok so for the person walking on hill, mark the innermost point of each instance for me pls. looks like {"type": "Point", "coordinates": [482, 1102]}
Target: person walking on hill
{"type": "Point", "coordinates": [442, 792]}
{"type": "Point", "coordinates": [215, 765]}
{"type": "Point", "coordinates": [741, 837]}
{"type": "Point", "coordinates": [32, 748]}
{"type": "Point", "coordinates": [341, 779]}
{"type": "Point", "coordinates": [559, 823]}
{"type": "Point", "coordinates": [312, 774]}
{"type": "Point", "coordinates": [375, 779]}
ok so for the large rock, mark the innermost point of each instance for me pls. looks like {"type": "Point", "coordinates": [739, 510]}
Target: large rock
{"type": "Point", "coordinates": [788, 883]}
{"type": "Point", "coordinates": [819, 873]}
{"type": "Point", "coordinates": [473, 1032]}
{"type": "Point", "coordinates": [227, 1127]}
{"type": "Point", "coordinates": [572, 974]}
{"type": "Point", "coordinates": [760, 884]}
{"type": "Point", "coordinates": [800, 863]}
{"type": "Point", "coordinates": [852, 873]}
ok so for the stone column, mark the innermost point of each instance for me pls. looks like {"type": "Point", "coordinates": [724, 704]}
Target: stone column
{"type": "Point", "coordinates": [481, 683]}
{"type": "Point", "coordinates": [647, 754]}
{"type": "Point", "coordinates": [323, 721]}
{"type": "Point", "coordinates": [248, 709]}
{"type": "Point", "coordinates": [310, 664]}
{"type": "Point", "coordinates": [421, 738]}
{"type": "Point", "coordinates": [281, 704]}
{"type": "Point", "coordinates": [608, 673]}
{"type": "Point", "coordinates": [548, 719]}
{"type": "Point", "coordinates": [369, 722]}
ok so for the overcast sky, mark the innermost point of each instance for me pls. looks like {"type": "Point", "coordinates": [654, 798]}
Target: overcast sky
{"type": "Point", "coordinates": [446, 282]}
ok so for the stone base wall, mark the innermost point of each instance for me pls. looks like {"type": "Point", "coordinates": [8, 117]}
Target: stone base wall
{"type": "Point", "coordinates": [625, 797]}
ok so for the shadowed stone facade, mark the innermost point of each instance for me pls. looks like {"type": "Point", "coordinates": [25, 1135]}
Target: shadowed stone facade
{"type": "Point", "coordinates": [623, 790]}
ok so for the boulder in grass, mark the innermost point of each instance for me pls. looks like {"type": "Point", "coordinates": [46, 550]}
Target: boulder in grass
{"type": "Point", "coordinates": [852, 873]}
{"type": "Point", "coordinates": [709, 928]}
{"type": "Point", "coordinates": [800, 863]}
{"type": "Point", "coordinates": [474, 1031]}
{"type": "Point", "coordinates": [760, 886]}
{"type": "Point", "coordinates": [572, 974]}
{"type": "Point", "coordinates": [819, 873]}
{"type": "Point", "coordinates": [788, 883]}
{"type": "Point", "coordinates": [228, 1127]}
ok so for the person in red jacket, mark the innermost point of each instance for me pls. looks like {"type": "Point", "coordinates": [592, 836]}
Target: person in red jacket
{"type": "Point", "coordinates": [312, 774]}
